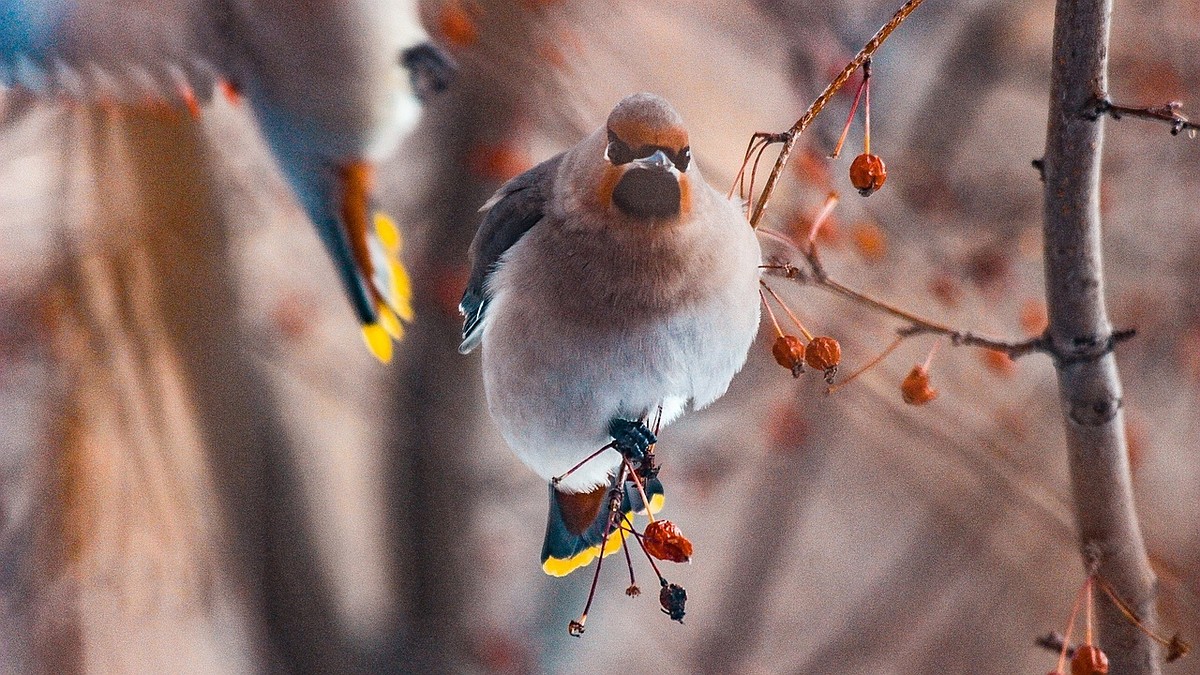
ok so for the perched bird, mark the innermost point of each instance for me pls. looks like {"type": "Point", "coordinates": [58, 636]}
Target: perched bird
{"type": "Point", "coordinates": [610, 285]}
{"type": "Point", "coordinates": [333, 84]}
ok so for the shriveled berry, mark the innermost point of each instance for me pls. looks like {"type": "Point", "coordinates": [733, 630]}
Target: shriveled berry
{"type": "Point", "coordinates": [867, 173]}
{"type": "Point", "coordinates": [1089, 660]}
{"type": "Point", "coordinates": [998, 362]}
{"type": "Point", "coordinates": [789, 353]}
{"type": "Point", "coordinates": [575, 628]}
{"type": "Point", "coordinates": [664, 541]}
{"type": "Point", "coordinates": [916, 389]}
{"type": "Point", "coordinates": [633, 591]}
{"type": "Point", "coordinates": [824, 354]}
{"type": "Point", "coordinates": [673, 597]}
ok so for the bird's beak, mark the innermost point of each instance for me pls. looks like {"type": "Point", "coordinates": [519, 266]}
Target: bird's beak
{"type": "Point", "coordinates": [430, 68]}
{"type": "Point", "coordinates": [658, 161]}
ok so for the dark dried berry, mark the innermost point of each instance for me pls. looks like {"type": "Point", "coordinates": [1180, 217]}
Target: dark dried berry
{"type": "Point", "coordinates": [575, 628]}
{"type": "Point", "coordinates": [672, 597]}
{"type": "Point", "coordinates": [633, 591]}
{"type": "Point", "coordinates": [867, 173]}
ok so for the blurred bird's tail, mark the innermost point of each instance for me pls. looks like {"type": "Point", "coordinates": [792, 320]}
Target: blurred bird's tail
{"type": "Point", "coordinates": [576, 524]}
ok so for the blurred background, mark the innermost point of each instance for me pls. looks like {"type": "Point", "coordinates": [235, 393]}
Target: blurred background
{"type": "Point", "coordinates": [203, 470]}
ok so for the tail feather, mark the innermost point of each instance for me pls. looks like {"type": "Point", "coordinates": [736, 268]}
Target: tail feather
{"type": "Point", "coordinates": [576, 524]}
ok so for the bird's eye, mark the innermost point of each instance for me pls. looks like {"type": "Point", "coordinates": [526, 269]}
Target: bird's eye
{"type": "Point", "coordinates": [618, 152]}
{"type": "Point", "coordinates": [682, 158]}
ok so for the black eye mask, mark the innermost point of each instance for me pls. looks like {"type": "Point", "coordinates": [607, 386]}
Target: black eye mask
{"type": "Point", "coordinates": [619, 152]}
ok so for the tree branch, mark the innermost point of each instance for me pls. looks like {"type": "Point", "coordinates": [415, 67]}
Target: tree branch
{"type": "Point", "coordinates": [789, 137]}
{"type": "Point", "coordinates": [1168, 113]}
{"type": "Point", "coordinates": [1090, 388]}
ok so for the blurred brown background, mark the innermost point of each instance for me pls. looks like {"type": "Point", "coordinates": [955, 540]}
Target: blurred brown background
{"type": "Point", "coordinates": [202, 469]}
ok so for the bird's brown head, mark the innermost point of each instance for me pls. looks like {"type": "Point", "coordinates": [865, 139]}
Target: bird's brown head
{"type": "Point", "coordinates": [647, 157]}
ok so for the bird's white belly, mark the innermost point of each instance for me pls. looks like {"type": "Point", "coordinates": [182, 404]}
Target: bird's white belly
{"type": "Point", "coordinates": [553, 387]}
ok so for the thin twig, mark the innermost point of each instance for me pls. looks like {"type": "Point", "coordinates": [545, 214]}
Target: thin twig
{"type": "Point", "coordinates": [793, 134]}
{"type": "Point", "coordinates": [918, 325]}
{"type": "Point", "coordinates": [1168, 113]}
{"type": "Point", "coordinates": [870, 364]}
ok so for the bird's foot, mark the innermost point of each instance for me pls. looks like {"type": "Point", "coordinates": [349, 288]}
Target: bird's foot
{"type": "Point", "coordinates": [631, 439]}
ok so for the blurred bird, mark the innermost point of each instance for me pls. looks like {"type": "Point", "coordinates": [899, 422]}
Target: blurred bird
{"type": "Point", "coordinates": [334, 86]}
{"type": "Point", "coordinates": [609, 284]}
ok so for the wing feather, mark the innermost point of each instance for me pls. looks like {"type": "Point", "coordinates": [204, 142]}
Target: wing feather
{"type": "Point", "coordinates": [516, 207]}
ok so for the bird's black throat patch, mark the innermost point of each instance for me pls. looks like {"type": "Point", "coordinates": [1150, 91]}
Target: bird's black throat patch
{"type": "Point", "coordinates": [647, 193]}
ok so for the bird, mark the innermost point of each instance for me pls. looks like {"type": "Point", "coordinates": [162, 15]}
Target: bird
{"type": "Point", "coordinates": [609, 285]}
{"type": "Point", "coordinates": [334, 85]}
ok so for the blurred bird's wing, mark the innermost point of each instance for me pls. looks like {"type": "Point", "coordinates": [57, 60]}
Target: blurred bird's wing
{"type": "Point", "coordinates": [333, 84]}
{"type": "Point", "coordinates": [129, 51]}
{"type": "Point", "coordinates": [515, 208]}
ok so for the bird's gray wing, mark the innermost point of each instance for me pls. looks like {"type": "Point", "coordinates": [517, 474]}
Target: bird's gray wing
{"type": "Point", "coordinates": [131, 51]}
{"type": "Point", "coordinates": [515, 208]}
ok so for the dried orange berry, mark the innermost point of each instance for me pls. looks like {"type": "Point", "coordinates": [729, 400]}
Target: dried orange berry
{"type": "Point", "coordinates": [915, 388]}
{"type": "Point", "coordinates": [673, 597]}
{"type": "Point", "coordinates": [633, 591]}
{"type": "Point", "coordinates": [823, 353]}
{"type": "Point", "coordinates": [1033, 316]}
{"type": "Point", "coordinates": [998, 362]}
{"type": "Point", "coordinates": [867, 173]}
{"type": "Point", "coordinates": [870, 242]}
{"type": "Point", "coordinates": [457, 26]}
{"type": "Point", "coordinates": [789, 353]}
{"type": "Point", "coordinates": [664, 541]}
{"type": "Point", "coordinates": [1089, 660]}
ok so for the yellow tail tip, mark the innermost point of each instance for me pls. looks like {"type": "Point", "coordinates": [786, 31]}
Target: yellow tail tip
{"type": "Point", "coordinates": [389, 234]}
{"type": "Point", "coordinates": [561, 567]}
{"type": "Point", "coordinates": [391, 323]}
{"type": "Point", "coordinates": [378, 341]}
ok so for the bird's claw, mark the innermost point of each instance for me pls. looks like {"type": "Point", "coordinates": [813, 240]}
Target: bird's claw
{"type": "Point", "coordinates": [631, 439]}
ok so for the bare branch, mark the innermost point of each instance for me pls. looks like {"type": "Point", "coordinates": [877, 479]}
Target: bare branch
{"type": "Point", "coordinates": [792, 135]}
{"type": "Point", "coordinates": [1168, 112]}
{"type": "Point", "coordinates": [1090, 388]}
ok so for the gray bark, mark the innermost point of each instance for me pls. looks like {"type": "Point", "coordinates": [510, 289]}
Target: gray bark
{"type": "Point", "coordinates": [1080, 334]}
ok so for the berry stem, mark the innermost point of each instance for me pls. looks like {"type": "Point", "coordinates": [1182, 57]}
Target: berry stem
{"type": "Point", "coordinates": [1079, 596]}
{"type": "Point", "coordinates": [1128, 612]}
{"type": "Point", "coordinates": [638, 482]}
{"type": "Point", "coordinates": [770, 313]}
{"type": "Point", "coordinates": [1089, 634]}
{"type": "Point", "coordinates": [871, 364]}
{"type": "Point", "coordinates": [867, 107]}
{"type": "Point", "coordinates": [932, 352]}
{"type": "Point", "coordinates": [628, 561]}
{"type": "Point", "coordinates": [837, 149]}
{"type": "Point", "coordinates": [614, 504]}
{"type": "Point", "coordinates": [804, 331]}
{"type": "Point", "coordinates": [831, 202]}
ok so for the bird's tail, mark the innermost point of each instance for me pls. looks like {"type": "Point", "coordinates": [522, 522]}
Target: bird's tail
{"type": "Point", "coordinates": [576, 524]}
